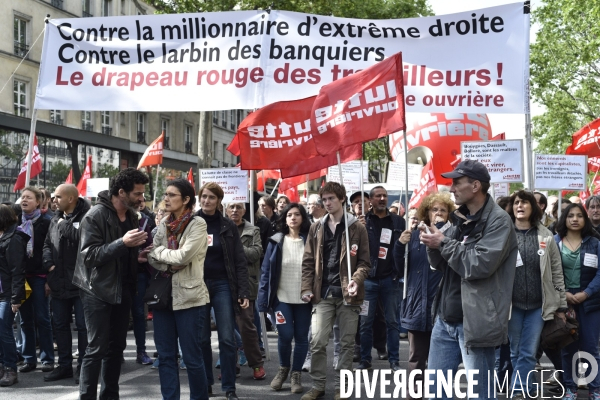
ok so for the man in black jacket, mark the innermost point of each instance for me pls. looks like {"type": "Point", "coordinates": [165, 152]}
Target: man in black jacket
{"type": "Point", "coordinates": [105, 273]}
{"type": "Point", "coordinates": [59, 257]}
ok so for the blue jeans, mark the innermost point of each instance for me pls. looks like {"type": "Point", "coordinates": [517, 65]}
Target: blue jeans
{"type": "Point", "coordinates": [222, 303]}
{"type": "Point", "coordinates": [137, 312]}
{"type": "Point", "coordinates": [8, 348]}
{"type": "Point", "coordinates": [35, 313]}
{"type": "Point", "coordinates": [589, 331]}
{"type": "Point", "coordinates": [61, 314]}
{"type": "Point", "coordinates": [168, 327]}
{"type": "Point", "coordinates": [524, 331]}
{"type": "Point", "coordinates": [297, 321]}
{"type": "Point", "coordinates": [388, 290]}
{"type": "Point", "coordinates": [447, 351]}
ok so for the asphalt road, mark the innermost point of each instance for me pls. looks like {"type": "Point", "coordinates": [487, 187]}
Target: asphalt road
{"type": "Point", "coordinates": [141, 382]}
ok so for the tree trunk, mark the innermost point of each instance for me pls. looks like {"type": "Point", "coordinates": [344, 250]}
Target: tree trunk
{"type": "Point", "coordinates": [205, 155]}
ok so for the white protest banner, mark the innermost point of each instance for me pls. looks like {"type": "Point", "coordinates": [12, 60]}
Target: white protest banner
{"type": "Point", "coordinates": [396, 175]}
{"type": "Point", "coordinates": [557, 172]}
{"type": "Point", "coordinates": [502, 158]}
{"type": "Point", "coordinates": [233, 181]}
{"type": "Point", "coordinates": [501, 190]}
{"type": "Point", "coordinates": [475, 61]}
{"type": "Point", "coordinates": [95, 186]}
{"type": "Point", "coordinates": [350, 172]}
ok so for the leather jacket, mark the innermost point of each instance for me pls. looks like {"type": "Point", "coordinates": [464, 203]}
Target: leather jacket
{"type": "Point", "coordinates": [99, 270]}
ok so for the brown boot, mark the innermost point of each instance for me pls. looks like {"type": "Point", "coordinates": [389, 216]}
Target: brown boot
{"type": "Point", "coordinates": [297, 382]}
{"type": "Point", "coordinates": [9, 378]}
{"type": "Point", "coordinates": [281, 377]}
{"type": "Point", "coordinates": [313, 394]}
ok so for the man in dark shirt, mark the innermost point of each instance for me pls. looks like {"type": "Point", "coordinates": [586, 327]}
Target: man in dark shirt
{"type": "Point", "coordinates": [383, 283]}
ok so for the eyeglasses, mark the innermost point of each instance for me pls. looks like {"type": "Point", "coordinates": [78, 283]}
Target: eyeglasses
{"type": "Point", "coordinates": [171, 195]}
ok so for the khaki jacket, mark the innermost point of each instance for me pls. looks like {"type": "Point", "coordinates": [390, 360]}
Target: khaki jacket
{"type": "Point", "coordinates": [189, 289]}
{"type": "Point", "coordinates": [312, 261]}
{"type": "Point", "coordinates": [253, 250]}
{"type": "Point", "coordinates": [553, 283]}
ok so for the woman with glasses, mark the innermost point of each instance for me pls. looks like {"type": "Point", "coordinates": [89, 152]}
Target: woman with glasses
{"type": "Point", "coordinates": [579, 251]}
{"type": "Point", "coordinates": [226, 277]}
{"type": "Point", "coordinates": [179, 250]}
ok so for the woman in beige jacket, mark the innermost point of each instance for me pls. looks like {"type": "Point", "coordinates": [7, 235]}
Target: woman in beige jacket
{"type": "Point", "coordinates": [179, 249]}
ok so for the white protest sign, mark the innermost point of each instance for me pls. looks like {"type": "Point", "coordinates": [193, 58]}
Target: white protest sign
{"type": "Point", "coordinates": [350, 172]}
{"type": "Point", "coordinates": [557, 172]}
{"type": "Point", "coordinates": [474, 61]}
{"type": "Point", "coordinates": [502, 158]}
{"type": "Point", "coordinates": [233, 181]}
{"type": "Point", "coordinates": [501, 190]}
{"type": "Point", "coordinates": [396, 176]}
{"type": "Point", "coordinates": [95, 186]}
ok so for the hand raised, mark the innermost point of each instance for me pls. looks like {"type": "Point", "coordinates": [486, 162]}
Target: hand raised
{"type": "Point", "coordinates": [135, 238]}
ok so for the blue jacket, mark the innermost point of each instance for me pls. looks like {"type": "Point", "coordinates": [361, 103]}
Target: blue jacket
{"type": "Point", "coordinates": [398, 227]}
{"type": "Point", "coordinates": [422, 283]}
{"type": "Point", "coordinates": [590, 277]}
{"type": "Point", "coordinates": [270, 273]}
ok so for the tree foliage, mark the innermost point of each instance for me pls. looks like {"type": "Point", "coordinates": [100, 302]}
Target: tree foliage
{"type": "Point", "coordinates": [565, 70]}
{"type": "Point", "coordinates": [59, 173]}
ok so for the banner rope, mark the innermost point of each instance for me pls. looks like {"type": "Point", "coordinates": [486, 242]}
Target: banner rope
{"type": "Point", "coordinates": [23, 59]}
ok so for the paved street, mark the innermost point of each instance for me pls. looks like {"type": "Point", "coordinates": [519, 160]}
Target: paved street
{"type": "Point", "coordinates": [141, 382]}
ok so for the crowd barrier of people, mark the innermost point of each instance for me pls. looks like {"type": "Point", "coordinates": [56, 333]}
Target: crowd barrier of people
{"type": "Point", "coordinates": [482, 281]}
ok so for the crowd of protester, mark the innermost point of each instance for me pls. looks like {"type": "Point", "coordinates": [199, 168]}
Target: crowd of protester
{"type": "Point", "coordinates": [482, 280]}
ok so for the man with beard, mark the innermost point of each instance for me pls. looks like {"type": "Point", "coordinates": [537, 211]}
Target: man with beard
{"type": "Point", "coordinates": [592, 205]}
{"type": "Point", "coordinates": [60, 255]}
{"type": "Point", "coordinates": [105, 272]}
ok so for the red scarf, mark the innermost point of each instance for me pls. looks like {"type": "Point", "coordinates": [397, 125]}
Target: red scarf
{"type": "Point", "coordinates": [176, 227]}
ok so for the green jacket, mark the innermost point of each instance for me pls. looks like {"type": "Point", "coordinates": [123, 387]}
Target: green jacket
{"type": "Point", "coordinates": [253, 250]}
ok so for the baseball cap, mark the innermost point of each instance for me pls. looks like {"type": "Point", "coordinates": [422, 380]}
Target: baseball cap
{"type": "Point", "coordinates": [357, 194]}
{"type": "Point", "coordinates": [472, 169]}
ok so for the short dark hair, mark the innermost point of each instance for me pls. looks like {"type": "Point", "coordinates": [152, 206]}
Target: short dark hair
{"type": "Point", "coordinates": [186, 189]}
{"type": "Point", "coordinates": [543, 200]}
{"type": "Point", "coordinates": [485, 186]}
{"type": "Point", "coordinates": [563, 201]}
{"type": "Point", "coordinates": [335, 188]}
{"type": "Point", "coordinates": [372, 192]}
{"type": "Point", "coordinates": [282, 226]}
{"type": "Point", "coordinates": [269, 201]}
{"type": "Point", "coordinates": [503, 202]}
{"type": "Point", "coordinates": [588, 228]}
{"type": "Point", "coordinates": [536, 211]}
{"type": "Point", "coordinates": [7, 217]}
{"type": "Point", "coordinates": [589, 201]}
{"type": "Point", "coordinates": [126, 180]}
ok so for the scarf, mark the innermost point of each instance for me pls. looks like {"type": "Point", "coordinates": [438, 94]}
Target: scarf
{"type": "Point", "coordinates": [176, 226]}
{"type": "Point", "coordinates": [27, 228]}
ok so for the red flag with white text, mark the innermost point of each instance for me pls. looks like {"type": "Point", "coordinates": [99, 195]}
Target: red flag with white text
{"type": "Point", "coordinates": [36, 166]}
{"type": "Point", "coordinates": [154, 153]}
{"type": "Point", "coordinates": [584, 195]}
{"type": "Point", "coordinates": [359, 108]}
{"type": "Point", "coordinates": [586, 141]}
{"type": "Point", "coordinates": [87, 174]}
{"type": "Point", "coordinates": [427, 185]}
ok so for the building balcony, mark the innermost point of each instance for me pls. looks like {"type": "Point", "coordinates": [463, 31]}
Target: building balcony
{"type": "Point", "coordinates": [188, 147]}
{"type": "Point", "coordinates": [141, 137]}
{"type": "Point", "coordinates": [107, 130]}
{"type": "Point", "coordinates": [86, 126]}
{"type": "Point", "coordinates": [21, 49]}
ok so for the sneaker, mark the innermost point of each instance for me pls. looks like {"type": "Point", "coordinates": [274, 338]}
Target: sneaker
{"type": "Point", "coordinates": [218, 364]}
{"type": "Point", "coordinates": [259, 373]}
{"type": "Point", "coordinates": [155, 364]}
{"type": "Point", "coordinates": [403, 335]}
{"type": "Point", "coordinates": [551, 381]}
{"type": "Point", "coordinates": [282, 375]}
{"type": "Point", "coordinates": [60, 372]}
{"type": "Point", "coordinates": [364, 365]}
{"type": "Point", "coordinates": [142, 358]}
{"type": "Point", "coordinates": [306, 365]}
{"type": "Point", "coordinates": [27, 368]}
{"type": "Point", "coordinates": [76, 354]}
{"type": "Point", "coordinates": [182, 364]}
{"type": "Point", "coordinates": [313, 394]}
{"type": "Point", "coordinates": [10, 377]}
{"type": "Point", "coordinates": [20, 359]}
{"type": "Point", "coordinates": [47, 367]}
{"type": "Point", "coordinates": [395, 366]}
{"type": "Point", "coordinates": [231, 395]}
{"type": "Point", "coordinates": [297, 382]}
{"type": "Point", "coordinates": [570, 395]}
{"type": "Point", "coordinates": [382, 354]}
{"type": "Point", "coordinates": [242, 357]}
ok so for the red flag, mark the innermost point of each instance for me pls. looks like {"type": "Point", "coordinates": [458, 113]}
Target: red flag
{"type": "Point", "coordinates": [292, 194]}
{"type": "Point", "coordinates": [585, 140]}
{"type": "Point", "coordinates": [427, 185]}
{"type": "Point", "coordinates": [36, 166]}
{"type": "Point", "coordinates": [317, 163]}
{"type": "Point", "coordinates": [584, 195]}
{"type": "Point", "coordinates": [87, 174]}
{"type": "Point", "coordinates": [593, 164]}
{"type": "Point", "coordinates": [360, 107]}
{"type": "Point", "coordinates": [294, 181]}
{"type": "Point", "coordinates": [268, 174]}
{"type": "Point", "coordinates": [275, 136]}
{"type": "Point", "coordinates": [190, 177]}
{"type": "Point", "coordinates": [596, 185]}
{"type": "Point", "coordinates": [154, 153]}
{"type": "Point", "coordinates": [70, 177]}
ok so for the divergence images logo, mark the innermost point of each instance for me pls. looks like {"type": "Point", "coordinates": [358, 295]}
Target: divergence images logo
{"type": "Point", "coordinates": [586, 360]}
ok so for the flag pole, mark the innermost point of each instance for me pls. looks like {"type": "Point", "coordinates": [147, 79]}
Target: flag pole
{"type": "Point", "coordinates": [30, 151]}
{"type": "Point", "coordinates": [155, 187]}
{"type": "Point", "coordinates": [362, 189]}
{"type": "Point", "coordinates": [252, 182]}
{"type": "Point", "coordinates": [307, 175]}
{"type": "Point", "coordinates": [274, 187]}
{"type": "Point", "coordinates": [345, 223]}
{"type": "Point", "coordinates": [405, 216]}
